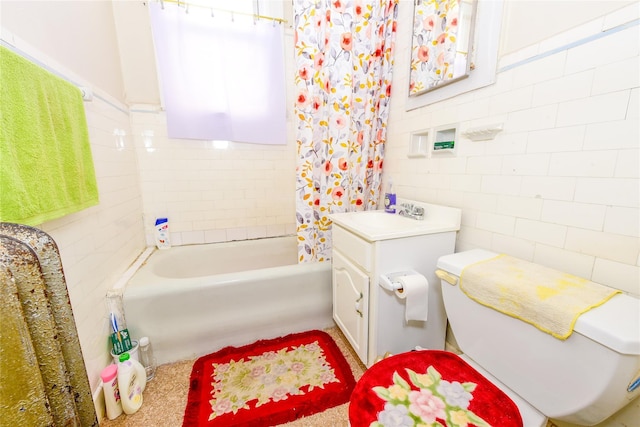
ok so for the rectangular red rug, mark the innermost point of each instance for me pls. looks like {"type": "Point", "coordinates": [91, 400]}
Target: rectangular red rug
{"type": "Point", "coordinates": [269, 382]}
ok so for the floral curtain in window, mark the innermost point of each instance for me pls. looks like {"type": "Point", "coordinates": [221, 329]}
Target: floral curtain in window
{"type": "Point", "coordinates": [437, 56]}
{"type": "Point", "coordinates": [344, 59]}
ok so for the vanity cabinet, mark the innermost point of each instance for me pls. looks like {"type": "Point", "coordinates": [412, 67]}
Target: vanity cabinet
{"type": "Point", "coordinates": [351, 302]}
{"type": "Point", "coordinates": [371, 317]}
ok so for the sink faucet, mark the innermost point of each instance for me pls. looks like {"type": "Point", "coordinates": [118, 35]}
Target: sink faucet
{"type": "Point", "coordinates": [411, 211]}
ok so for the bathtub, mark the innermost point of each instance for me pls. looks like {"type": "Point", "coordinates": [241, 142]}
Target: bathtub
{"type": "Point", "coordinates": [194, 300]}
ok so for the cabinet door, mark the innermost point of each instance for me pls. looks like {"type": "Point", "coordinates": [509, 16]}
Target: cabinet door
{"type": "Point", "coordinates": [351, 303]}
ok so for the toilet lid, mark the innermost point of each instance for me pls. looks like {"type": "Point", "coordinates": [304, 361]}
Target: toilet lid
{"type": "Point", "coordinates": [427, 386]}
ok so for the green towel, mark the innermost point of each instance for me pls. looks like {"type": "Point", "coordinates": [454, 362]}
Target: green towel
{"type": "Point", "coordinates": [46, 168]}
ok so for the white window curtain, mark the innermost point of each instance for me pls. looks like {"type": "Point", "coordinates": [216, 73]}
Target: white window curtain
{"type": "Point", "coordinates": [222, 77]}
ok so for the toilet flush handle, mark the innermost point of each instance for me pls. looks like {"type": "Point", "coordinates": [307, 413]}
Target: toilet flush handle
{"type": "Point", "coordinates": [447, 277]}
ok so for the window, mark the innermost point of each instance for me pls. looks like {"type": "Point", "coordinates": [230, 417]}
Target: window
{"type": "Point", "coordinates": [221, 72]}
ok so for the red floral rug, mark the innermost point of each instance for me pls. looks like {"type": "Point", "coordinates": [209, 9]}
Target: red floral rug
{"type": "Point", "coordinates": [429, 388]}
{"type": "Point", "coordinates": [269, 382]}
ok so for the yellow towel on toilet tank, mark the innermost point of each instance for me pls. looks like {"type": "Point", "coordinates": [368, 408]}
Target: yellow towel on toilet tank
{"type": "Point", "coordinates": [546, 298]}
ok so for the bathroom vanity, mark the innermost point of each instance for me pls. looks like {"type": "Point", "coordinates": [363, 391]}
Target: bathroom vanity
{"type": "Point", "coordinates": [371, 244]}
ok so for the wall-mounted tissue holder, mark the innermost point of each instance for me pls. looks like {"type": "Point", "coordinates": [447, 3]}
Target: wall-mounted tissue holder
{"type": "Point", "coordinates": [390, 281]}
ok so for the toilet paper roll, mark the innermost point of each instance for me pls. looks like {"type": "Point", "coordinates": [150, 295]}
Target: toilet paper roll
{"type": "Point", "coordinates": [415, 290]}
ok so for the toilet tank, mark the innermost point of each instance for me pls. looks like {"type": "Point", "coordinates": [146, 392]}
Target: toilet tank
{"type": "Point", "coordinates": [582, 380]}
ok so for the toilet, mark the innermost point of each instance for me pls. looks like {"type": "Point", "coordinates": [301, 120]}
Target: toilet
{"type": "Point", "coordinates": [582, 379]}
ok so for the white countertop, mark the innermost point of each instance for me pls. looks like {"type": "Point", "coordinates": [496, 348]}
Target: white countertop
{"type": "Point", "coordinates": [380, 225]}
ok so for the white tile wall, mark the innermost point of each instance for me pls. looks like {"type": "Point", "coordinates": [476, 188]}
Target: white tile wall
{"type": "Point", "coordinates": [559, 185]}
{"type": "Point", "coordinates": [98, 244]}
{"type": "Point", "coordinates": [209, 195]}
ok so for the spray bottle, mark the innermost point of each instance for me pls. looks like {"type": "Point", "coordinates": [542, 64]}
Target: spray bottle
{"type": "Point", "coordinates": [390, 198]}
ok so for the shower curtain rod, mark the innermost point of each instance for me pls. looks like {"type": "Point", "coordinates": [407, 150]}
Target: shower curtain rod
{"type": "Point", "coordinates": [190, 4]}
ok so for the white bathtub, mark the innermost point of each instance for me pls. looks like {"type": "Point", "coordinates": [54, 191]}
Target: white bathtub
{"type": "Point", "coordinates": [194, 300]}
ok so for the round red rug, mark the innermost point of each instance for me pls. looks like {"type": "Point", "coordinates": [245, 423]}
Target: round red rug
{"type": "Point", "coordinates": [429, 387]}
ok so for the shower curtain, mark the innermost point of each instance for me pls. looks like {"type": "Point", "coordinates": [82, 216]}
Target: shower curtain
{"type": "Point", "coordinates": [344, 62]}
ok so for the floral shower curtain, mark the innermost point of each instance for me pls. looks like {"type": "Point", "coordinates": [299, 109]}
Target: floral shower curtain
{"type": "Point", "coordinates": [344, 59]}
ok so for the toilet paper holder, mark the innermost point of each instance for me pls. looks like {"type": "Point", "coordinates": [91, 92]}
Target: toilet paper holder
{"type": "Point", "coordinates": [390, 281]}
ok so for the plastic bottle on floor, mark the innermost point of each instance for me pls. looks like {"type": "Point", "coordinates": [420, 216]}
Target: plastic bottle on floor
{"type": "Point", "coordinates": [147, 360]}
{"type": "Point", "coordinates": [111, 391]}
{"type": "Point", "coordinates": [132, 380]}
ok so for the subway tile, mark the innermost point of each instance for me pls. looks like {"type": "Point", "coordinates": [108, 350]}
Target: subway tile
{"type": "Point", "coordinates": [516, 247]}
{"type": "Point", "coordinates": [474, 238]}
{"type": "Point", "coordinates": [497, 223]}
{"type": "Point", "coordinates": [614, 247]}
{"type": "Point", "coordinates": [539, 70]}
{"type": "Point", "coordinates": [618, 76]}
{"type": "Point", "coordinates": [557, 139]}
{"type": "Point", "coordinates": [237, 233]}
{"type": "Point", "coordinates": [580, 215]}
{"type": "Point", "coordinates": [617, 275]}
{"type": "Point", "coordinates": [562, 89]}
{"type": "Point", "coordinates": [612, 47]}
{"type": "Point", "coordinates": [633, 110]}
{"type": "Point", "coordinates": [176, 239]}
{"type": "Point", "coordinates": [625, 221]}
{"type": "Point", "coordinates": [465, 182]}
{"type": "Point", "coordinates": [526, 164]}
{"type": "Point", "coordinates": [474, 109]}
{"type": "Point", "coordinates": [520, 207]}
{"type": "Point", "coordinates": [276, 229]}
{"type": "Point", "coordinates": [542, 232]}
{"type": "Point", "coordinates": [452, 165]}
{"type": "Point", "coordinates": [452, 198]}
{"type": "Point", "coordinates": [548, 188]}
{"type": "Point", "coordinates": [501, 184]}
{"type": "Point", "coordinates": [595, 109]}
{"type": "Point", "coordinates": [532, 119]}
{"type": "Point", "coordinates": [513, 100]}
{"type": "Point", "coordinates": [563, 260]}
{"type": "Point", "coordinates": [482, 165]}
{"type": "Point", "coordinates": [257, 232]}
{"type": "Point", "coordinates": [584, 163]}
{"type": "Point", "coordinates": [628, 164]}
{"type": "Point", "coordinates": [469, 218]}
{"type": "Point", "coordinates": [510, 143]}
{"type": "Point", "coordinates": [620, 192]}
{"type": "Point", "coordinates": [479, 201]}
{"type": "Point", "coordinates": [612, 135]}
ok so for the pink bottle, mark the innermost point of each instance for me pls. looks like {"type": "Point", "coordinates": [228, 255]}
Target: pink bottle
{"type": "Point", "coordinates": [109, 377]}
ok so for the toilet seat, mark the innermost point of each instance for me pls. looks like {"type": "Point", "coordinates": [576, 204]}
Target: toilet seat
{"type": "Point", "coordinates": [433, 384]}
